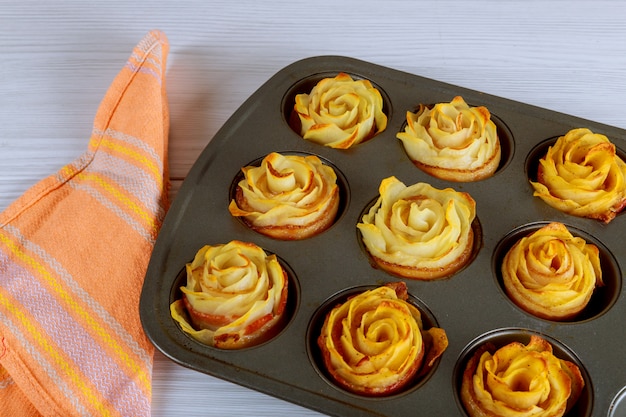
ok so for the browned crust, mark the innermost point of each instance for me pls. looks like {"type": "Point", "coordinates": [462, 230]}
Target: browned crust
{"type": "Point", "coordinates": [402, 292]}
{"type": "Point", "coordinates": [263, 329]}
{"type": "Point", "coordinates": [367, 391]}
{"type": "Point", "coordinates": [467, 391]}
{"type": "Point", "coordinates": [541, 314]}
{"type": "Point", "coordinates": [426, 274]}
{"type": "Point", "coordinates": [605, 216]}
{"type": "Point", "coordinates": [520, 302]}
{"type": "Point", "coordinates": [295, 232]}
{"type": "Point", "coordinates": [464, 175]}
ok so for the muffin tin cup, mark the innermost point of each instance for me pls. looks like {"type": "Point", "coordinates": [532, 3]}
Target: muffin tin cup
{"type": "Point", "coordinates": [603, 297]}
{"type": "Point", "coordinates": [315, 354]}
{"type": "Point", "coordinates": [501, 337]}
{"type": "Point", "coordinates": [467, 305]}
{"type": "Point", "coordinates": [618, 406]}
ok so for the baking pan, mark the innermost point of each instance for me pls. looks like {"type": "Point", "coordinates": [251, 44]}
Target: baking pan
{"type": "Point", "coordinates": [471, 305]}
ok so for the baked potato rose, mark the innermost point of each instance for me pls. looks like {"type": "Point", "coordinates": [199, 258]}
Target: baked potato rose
{"type": "Point", "coordinates": [374, 343]}
{"type": "Point", "coordinates": [419, 231]}
{"type": "Point", "coordinates": [582, 175]}
{"type": "Point", "coordinates": [552, 274]}
{"type": "Point", "coordinates": [235, 296]}
{"type": "Point", "coordinates": [287, 197]}
{"type": "Point", "coordinates": [339, 112]}
{"type": "Point", "coordinates": [520, 380]}
{"type": "Point", "coordinates": [452, 141]}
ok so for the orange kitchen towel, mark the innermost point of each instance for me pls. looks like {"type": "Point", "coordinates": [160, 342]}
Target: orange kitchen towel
{"type": "Point", "coordinates": [73, 254]}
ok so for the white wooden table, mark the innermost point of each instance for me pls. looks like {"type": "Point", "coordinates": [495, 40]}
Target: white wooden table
{"type": "Point", "coordinates": [58, 58]}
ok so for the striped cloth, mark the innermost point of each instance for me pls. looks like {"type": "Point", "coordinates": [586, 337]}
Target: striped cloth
{"type": "Point", "coordinates": [73, 253]}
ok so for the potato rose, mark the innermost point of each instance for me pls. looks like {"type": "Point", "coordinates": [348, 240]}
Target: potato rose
{"type": "Point", "coordinates": [339, 112]}
{"type": "Point", "coordinates": [520, 380]}
{"type": "Point", "coordinates": [582, 175]}
{"type": "Point", "coordinates": [419, 231]}
{"type": "Point", "coordinates": [235, 296]}
{"type": "Point", "coordinates": [287, 197]}
{"type": "Point", "coordinates": [374, 343]}
{"type": "Point", "coordinates": [452, 141]}
{"type": "Point", "coordinates": [552, 274]}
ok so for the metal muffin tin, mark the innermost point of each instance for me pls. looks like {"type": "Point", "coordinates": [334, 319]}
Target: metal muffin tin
{"type": "Point", "coordinates": [470, 305]}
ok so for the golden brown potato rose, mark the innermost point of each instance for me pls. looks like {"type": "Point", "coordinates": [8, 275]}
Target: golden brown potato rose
{"type": "Point", "coordinates": [452, 141]}
{"type": "Point", "coordinates": [551, 273]}
{"type": "Point", "coordinates": [288, 197]}
{"type": "Point", "coordinates": [582, 175]}
{"type": "Point", "coordinates": [340, 112]}
{"type": "Point", "coordinates": [419, 231]}
{"type": "Point", "coordinates": [234, 297]}
{"type": "Point", "coordinates": [374, 343]}
{"type": "Point", "coordinates": [520, 380]}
